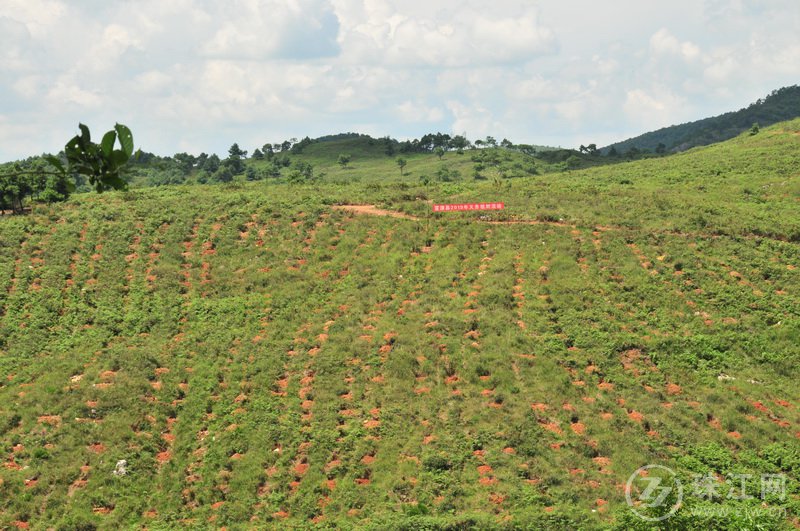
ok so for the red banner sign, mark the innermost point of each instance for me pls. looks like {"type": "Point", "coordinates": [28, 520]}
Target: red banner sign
{"type": "Point", "coordinates": [468, 206]}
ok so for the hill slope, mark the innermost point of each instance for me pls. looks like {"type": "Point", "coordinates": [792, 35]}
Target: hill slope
{"type": "Point", "coordinates": [257, 357]}
{"type": "Point", "coordinates": [782, 104]}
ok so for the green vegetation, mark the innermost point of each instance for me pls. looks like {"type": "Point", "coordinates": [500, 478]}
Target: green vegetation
{"type": "Point", "coordinates": [47, 178]}
{"type": "Point", "coordinates": [259, 357]}
{"type": "Point", "coordinates": [781, 105]}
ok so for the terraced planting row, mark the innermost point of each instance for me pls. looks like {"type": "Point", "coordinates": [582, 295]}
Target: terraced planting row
{"type": "Point", "coordinates": [234, 361]}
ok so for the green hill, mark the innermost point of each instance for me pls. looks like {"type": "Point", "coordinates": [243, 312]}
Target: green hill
{"type": "Point", "coordinates": [782, 104]}
{"type": "Point", "coordinates": [248, 355]}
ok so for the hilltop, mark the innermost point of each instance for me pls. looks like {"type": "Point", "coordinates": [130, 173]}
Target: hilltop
{"type": "Point", "coordinates": [258, 354]}
{"type": "Point", "coordinates": [780, 105]}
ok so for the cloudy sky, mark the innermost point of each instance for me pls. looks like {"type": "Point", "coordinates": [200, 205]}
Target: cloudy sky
{"type": "Point", "coordinates": [198, 75]}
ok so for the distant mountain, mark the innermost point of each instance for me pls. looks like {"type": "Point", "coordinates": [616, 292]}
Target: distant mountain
{"type": "Point", "coordinates": [782, 104]}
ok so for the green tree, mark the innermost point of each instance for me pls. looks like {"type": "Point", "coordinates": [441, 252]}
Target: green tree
{"type": "Point", "coordinates": [223, 175]}
{"type": "Point", "coordinates": [573, 161]}
{"type": "Point", "coordinates": [274, 169]}
{"type": "Point", "coordinates": [446, 175]}
{"type": "Point", "coordinates": [460, 143]}
{"type": "Point", "coordinates": [211, 164]}
{"type": "Point", "coordinates": [401, 163]}
{"type": "Point", "coordinates": [343, 160]}
{"type": "Point", "coordinates": [305, 169]}
{"type": "Point", "coordinates": [439, 152]}
{"type": "Point", "coordinates": [185, 161]}
{"type": "Point", "coordinates": [235, 160]}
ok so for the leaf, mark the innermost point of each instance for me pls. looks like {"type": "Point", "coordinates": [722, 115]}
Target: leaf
{"type": "Point", "coordinates": [125, 139]}
{"type": "Point", "coordinates": [114, 181]}
{"type": "Point", "coordinates": [71, 187]}
{"type": "Point", "coordinates": [107, 144]}
{"type": "Point", "coordinates": [55, 162]}
{"type": "Point", "coordinates": [72, 147]}
{"type": "Point", "coordinates": [85, 135]}
{"type": "Point", "coordinates": [118, 158]}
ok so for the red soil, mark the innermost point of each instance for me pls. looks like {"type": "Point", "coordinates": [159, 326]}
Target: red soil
{"type": "Point", "coordinates": [635, 416]}
{"type": "Point", "coordinates": [484, 470]}
{"type": "Point", "coordinates": [163, 457]}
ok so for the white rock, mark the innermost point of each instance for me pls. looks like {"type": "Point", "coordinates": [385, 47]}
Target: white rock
{"type": "Point", "coordinates": [121, 469]}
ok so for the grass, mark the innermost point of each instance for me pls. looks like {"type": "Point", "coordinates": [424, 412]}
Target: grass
{"type": "Point", "coordinates": [261, 359]}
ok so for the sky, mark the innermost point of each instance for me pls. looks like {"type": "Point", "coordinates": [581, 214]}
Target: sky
{"type": "Point", "coordinates": [199, 75]}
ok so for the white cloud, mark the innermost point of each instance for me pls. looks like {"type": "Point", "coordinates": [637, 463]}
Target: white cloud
{"type": "Point", "coordinates": [476, 121]}
{"type": "Point", "coordinates": [412, 112]}
{"type": "Point", "coordinates": [656, 108]}
{"type": "Point", "coordinates": [39, 16]}
{"type": "Point", "coordinates": [663, 42]}
{"type": "Point", "coordinates": [403, 34]}
{"type": "Point", "coordinates": [205, 74]}
{"type": "Point", "coordinates": [259, 29]}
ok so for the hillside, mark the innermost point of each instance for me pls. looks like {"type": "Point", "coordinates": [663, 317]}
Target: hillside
{"type": "Point", "coordinates": [782, 104]}
{"type": "Point", "coordinates": [259, 357]}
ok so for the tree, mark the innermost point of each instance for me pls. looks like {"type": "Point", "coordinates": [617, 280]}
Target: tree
{"type": "Point", "coordinates": [236, 155]}
{"type": "Point", "coordinates": [754, 130]}
{"type": "Point", "coordinates": [298, 147]}
{"type": "Point", "coordinates": [388, 146]}
{"type": "Point", "coordinates": [445, 175]}
{"type": "Point", "coordinates": [274, 169]}
{"type": "Point", "coordinates": [401, 163]}
{"type": "Point", "coordinates": [211, 163]}
{"type": "Point", "coordinates": [573, 161]}
{"type": "Point", "coordinates": [343, 160]}
{"type": "Point", "coordinates": [223, 175]}
{"type": "Point", "coordinates": [185, 161]}
{"type": "Point", "coordinates": [439, 152]}
{"type": "Point", "coordinates": [257, 154]}
{"type": "Point", "coordinates": [305, 169]}
{"type": "Point", "coordinates": [460, 143]}
{"type": "Point", "coordinates": [236, 152]}
{"type": "Point", "coordinates": [12, 192]}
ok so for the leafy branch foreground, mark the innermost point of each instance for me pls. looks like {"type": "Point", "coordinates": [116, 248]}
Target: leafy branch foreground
{"type": "Point", "coordinates": [101, 164]}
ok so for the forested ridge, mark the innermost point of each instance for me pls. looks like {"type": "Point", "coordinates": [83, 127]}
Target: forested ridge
{"type": "Point", "coordinates": [780, 105]}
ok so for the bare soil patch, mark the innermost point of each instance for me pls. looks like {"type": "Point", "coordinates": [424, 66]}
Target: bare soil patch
{"type": "Point", "coordinates": [373, 211]}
